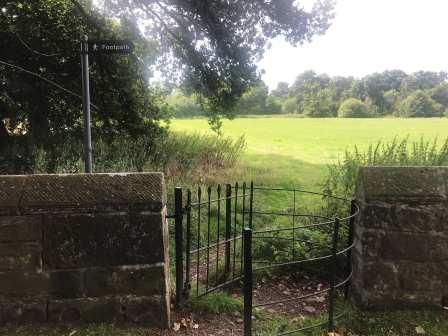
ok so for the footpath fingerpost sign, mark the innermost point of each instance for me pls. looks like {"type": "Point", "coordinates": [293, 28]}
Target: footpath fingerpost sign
{"type": "Point", "coordinates": [123, 47]}
{"type": "Point", "coordinates": [111, 47]}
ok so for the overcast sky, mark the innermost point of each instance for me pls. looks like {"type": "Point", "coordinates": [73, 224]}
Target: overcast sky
{"type": "Point", "coordinates": [368, 36]}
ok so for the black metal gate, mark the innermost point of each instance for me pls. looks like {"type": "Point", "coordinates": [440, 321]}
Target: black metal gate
{"type": "Point", "coordinates": [215, 237]}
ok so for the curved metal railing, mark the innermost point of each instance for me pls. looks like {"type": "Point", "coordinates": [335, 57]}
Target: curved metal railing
{"type": "Point", "coordinates": [221, 224]}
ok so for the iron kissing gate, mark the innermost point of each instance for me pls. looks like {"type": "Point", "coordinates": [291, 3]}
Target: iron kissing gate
{"type": "Point", "coordinates": [215, 244]}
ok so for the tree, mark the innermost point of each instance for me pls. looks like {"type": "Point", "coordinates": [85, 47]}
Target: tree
{"type": "Point", "coordinates": [216, 44]}
{"type": "Point", "coordinates": [289, 106]}
{"type": "Point", "coordinates": [273, 105]}
{"type": "Point", "coordinates": [440, 94]}
{"type": "Point", "coordinates": [423, 80]}
{"type": "Point", "coordinates": [419, 104]}
{"type": "Point", "coordinates": [253, 101]}
{"type": "Point", "coordinates": [378, 83]}
{"type": "Point", "coordinates": [257, 101]}
{"type": "Point", "coordinates": [183, 106]}
{"type": "Point", "coordinates": [307, 90]}
{"type": "Point", "coordinates": [282, 90]}
{"type": "Point", "coordinates": [340, 87]}
{"type": "Point", "coordinates": [317, 103]}
{"type": "Point", "coordinates": [391, 100]}
{"type": "Point", "coordinates": [40, 46]}
{"type": "Point", "coordinates": [375, 86]}
{"type": "Point", "coordinates": [353, 108]}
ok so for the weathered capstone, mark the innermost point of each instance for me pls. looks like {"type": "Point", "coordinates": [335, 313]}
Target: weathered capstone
{"type": "Point", "coordinates": [401, 254]}
{"type": "Point", "coordinates": [85, 247]}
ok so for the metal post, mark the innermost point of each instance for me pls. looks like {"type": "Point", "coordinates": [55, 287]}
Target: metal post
{"type": "Point", "coordinates": [251, 202]}
{"type": "Point", "coordinates": [333, 270]}
{"type": "Point", "coordinates": [228, 228]}
{"type": "Point", "coordinates": [187, 285]}
{"type": "Point", "coordinates": [86, 104]}
{"type": "Point", "coordinates": [247, 238]}
{"type": "Point", "coordinates": [348, 267]}
{"type": "Point", "coordinates": [178, 241]}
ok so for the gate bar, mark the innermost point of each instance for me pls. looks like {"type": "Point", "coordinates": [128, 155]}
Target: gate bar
{"type": "Point", "coordinates": [248, 281]}
{"type": "Point", "coordinates": [178, 241]}
{"type": "Point", "coordinates": [351, 227]}
{"type": "Point", "coordinates": [228, 228]}
{"type": "Point", "coordinates": [332, 294]}
{"type": "Point", "coordinates": [187, 285]}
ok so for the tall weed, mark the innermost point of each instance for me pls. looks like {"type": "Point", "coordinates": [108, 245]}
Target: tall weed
{"type": "Point", "coordinates": [191, 156]}
{"type": "Point", "coordinates": [341, 180]}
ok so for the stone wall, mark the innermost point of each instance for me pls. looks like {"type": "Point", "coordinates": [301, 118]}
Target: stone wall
{"type": "Point", "coordinates": [88, 247]}
{"type": "Point", "coordinates": [401, 255]}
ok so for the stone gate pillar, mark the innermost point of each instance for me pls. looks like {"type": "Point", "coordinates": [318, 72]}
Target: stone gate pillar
{"type": "Point", "coordinates": [84, 247]}
{"type": "Point", "coordinates": [401, 254]}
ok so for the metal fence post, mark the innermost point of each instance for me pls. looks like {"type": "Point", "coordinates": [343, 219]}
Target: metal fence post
{"type": "Point", "coordinates": [228, 228]}
{"type": "Point", "coordinates": [251, 203]}
{"type": "Point", "coordinates": [178, 242]}
{"type": "Point", "coordinates": [187, 285]}
{"type": "Point", "coordinates": [86, 104]}
{"type": "Point", "coordinates": [247, 238]}
{"type": "Point", "coordinates": [348, 267]}
{"type": "Point", "coordinates": [333, 270]}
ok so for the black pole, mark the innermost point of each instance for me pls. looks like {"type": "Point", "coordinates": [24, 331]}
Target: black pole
{"type": "Point", "coordinates": [251, 202]}
{"type": "Point", "coordinates": [333, 270]}
{"type": "Point", "coordinates": [187, 285]}
{"type": "Point", "coordinates": [228, 228]}
{"type": "Point", "coordinates": [348, 267]}
{"type": "Point", "coordinates": [178, 241]}
{"type": "Point", "coordinates": [247, 238]}
{"type": "Point", "coordinates": [86, 104]}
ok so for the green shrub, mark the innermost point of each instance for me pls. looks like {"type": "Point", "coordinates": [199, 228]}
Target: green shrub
{"type": "Point", "coordinates": [309, 243]}
{"type": "Point", "coordinates": [353, 108]}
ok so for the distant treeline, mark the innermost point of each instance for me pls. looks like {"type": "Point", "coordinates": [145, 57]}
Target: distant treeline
{"type": "Point", "coordinates": [389, 93]}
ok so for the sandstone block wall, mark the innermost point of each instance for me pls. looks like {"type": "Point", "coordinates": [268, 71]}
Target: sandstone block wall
{"type": "Point", "coordinates": [87, 247]}
{"type": "Point", "coordinates": [401, 255]}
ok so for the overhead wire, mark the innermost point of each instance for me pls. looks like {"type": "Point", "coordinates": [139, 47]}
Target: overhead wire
{"type": "Point", "coordinates": [49, 81]}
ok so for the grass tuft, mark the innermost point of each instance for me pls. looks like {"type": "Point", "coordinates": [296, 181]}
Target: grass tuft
{"type": "Point", "coordinates": [217, 303]}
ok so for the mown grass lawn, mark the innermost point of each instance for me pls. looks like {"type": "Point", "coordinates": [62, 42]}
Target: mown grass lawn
{"type": "Point", "coordinates": [290, 151]}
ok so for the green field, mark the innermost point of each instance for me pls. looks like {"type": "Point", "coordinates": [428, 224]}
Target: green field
{"type": "Point", "coordinates": [290, 151]}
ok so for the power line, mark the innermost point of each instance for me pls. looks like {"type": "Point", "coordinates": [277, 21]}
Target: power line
{"type": "Point", "coordinates": [49, 81]}
{"type": "Point", "coordinates": [33, 50]}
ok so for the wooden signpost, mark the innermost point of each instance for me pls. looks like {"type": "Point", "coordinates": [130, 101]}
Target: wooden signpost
{"type": "Point", "coordinates": [122, 47]}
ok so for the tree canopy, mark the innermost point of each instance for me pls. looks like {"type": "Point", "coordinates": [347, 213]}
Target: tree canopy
{"type": "Point", "coordinates": [42, 37]}
{"type": "Point", "coordinates": [209, 47]}
{"type": "Point", "coordinates": [419, 104]}
{"type": "Point", "coordinates": [213, 46]}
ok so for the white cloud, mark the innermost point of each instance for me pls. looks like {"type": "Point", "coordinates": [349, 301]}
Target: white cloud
{"type": "Point", "coordinates": [368, 36]}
